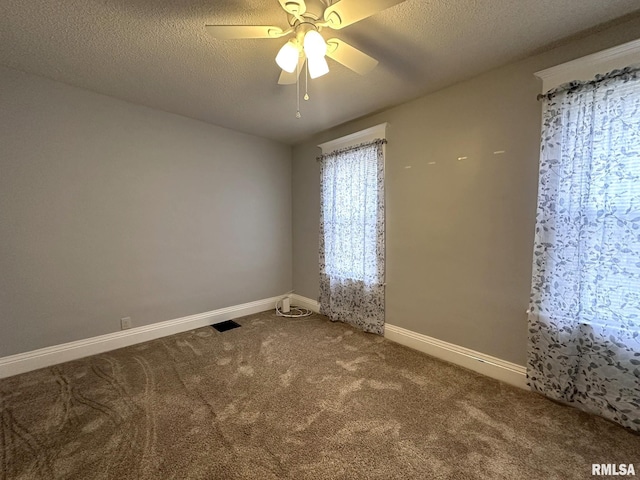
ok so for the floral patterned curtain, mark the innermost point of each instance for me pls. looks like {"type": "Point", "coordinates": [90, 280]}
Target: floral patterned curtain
{"type": "Point", "coordinates": [584, 320]}
{"type": "Point", "coordinates": [352, 236]}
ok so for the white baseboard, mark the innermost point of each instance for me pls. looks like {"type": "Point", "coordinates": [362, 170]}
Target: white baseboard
{"type": "Point", "coordinates": [45, 357]}
{"type": "Point", "coordinates": [479, 362]}
{"type": "Point", "coordinates": [305, 302]}
{"type": "Point", "coordinates": [493, 367]}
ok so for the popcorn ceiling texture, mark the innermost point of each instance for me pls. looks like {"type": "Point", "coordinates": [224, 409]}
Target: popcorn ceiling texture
{"type": "Point", "coordinates": [157, 53]}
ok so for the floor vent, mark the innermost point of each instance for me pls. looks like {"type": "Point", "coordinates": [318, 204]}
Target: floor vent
{"type": "Point", "coordinates": [224, 326]}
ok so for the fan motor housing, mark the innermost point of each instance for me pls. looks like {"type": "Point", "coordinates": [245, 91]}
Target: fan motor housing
{"type": "Point", "coordinates": [315, 9]}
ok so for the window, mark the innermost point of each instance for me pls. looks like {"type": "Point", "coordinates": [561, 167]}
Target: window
{"type": "Point", "coordinates": [352, 244]}
{"type": "Point", "coordinates": [584, 321]}
{"type": "Point", "coordinates": [350, 214]}
{"type": "Point", "coordinates": [590, 200]}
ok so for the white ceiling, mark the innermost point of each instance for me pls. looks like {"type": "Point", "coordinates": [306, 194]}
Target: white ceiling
{"type": "Point", "coordinates": [157, 53]}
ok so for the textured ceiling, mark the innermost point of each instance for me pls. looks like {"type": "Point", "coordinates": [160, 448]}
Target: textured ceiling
{"type": "Point", "coordinates": [157, 53]}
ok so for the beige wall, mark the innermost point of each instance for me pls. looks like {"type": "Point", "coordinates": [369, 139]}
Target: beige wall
{"type": "Point", "coordinates": [459, 233]}
{"type": "Point", "coordinates": [108, 209]}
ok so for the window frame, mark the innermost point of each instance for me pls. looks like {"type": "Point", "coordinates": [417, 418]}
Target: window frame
{"type": "Point", "coordinates": [586, 68]}
{"type": "Point", "coordinates": [363, 136]}
{"type": "Point", "coordinates": [366, 135]}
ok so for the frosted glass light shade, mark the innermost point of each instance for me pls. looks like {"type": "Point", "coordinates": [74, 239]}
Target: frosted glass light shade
{"type": "Point", "coordinates": [314, 45]}
{"type": "Point", "coordinates": [287, 58]}
{"type": "Point", "coordinates": [317, 66]}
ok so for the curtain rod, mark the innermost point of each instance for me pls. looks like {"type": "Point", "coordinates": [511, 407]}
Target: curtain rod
{"type": "Point", "coordinates": [377, 141]}
{"type": "Point", "coordinates": [631, 72]}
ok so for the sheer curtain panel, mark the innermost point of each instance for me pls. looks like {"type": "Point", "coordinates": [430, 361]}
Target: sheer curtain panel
{"type": "Point", "coordinates": [352, 236]}
{"type": "Point", "coordinates": [584, 320]}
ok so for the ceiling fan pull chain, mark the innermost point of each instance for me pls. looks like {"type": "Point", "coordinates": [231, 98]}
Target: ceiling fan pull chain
{"type": "Point", "coordinates": [298, 114]}
{"type": "Point", "coordinates": [306, 81]}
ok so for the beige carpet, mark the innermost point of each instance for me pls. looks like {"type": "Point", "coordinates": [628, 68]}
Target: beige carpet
{"type": "Point", "coordinates": [289, 398]}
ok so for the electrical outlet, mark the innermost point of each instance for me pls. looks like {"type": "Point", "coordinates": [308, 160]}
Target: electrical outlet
{"type": "Point", "coordinates": [125, 323]}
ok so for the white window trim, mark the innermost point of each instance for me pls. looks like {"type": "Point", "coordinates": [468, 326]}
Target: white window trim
{"type": "Point", "coordinates": [367, 135]}
{"type": "Point", "coordinates": [586, 68]}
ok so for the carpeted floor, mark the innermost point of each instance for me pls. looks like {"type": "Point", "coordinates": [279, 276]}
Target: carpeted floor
{"type": "Point", "coordinates": [289, 398]}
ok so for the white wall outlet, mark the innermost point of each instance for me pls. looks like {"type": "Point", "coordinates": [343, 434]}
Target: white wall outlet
{"type": "Point", "coordinates": [125, 323]}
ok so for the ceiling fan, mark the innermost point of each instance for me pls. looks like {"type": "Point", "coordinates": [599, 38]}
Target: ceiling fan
{"type": "Point", "coordinates": [306, 19]}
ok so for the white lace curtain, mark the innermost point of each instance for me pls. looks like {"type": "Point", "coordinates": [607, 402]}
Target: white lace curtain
{"type": "Point", "coordinates": [584, 322]}
{"type": "Point", "coordinates": [352, 236]}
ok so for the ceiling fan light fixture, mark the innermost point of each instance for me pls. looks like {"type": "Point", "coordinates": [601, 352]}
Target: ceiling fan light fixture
{"type": "Point", "coordinates": [317, 66]}
{"type": "Point", "coordinates": [287, 58]}
{"type": "Point", "coordinates": [314, 45]}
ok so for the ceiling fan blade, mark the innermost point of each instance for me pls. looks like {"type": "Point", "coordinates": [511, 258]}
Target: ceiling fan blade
{"type": "Point", "coordinates": [229, 32]}
{"type": "Point", "coordinates": [287, 78]}
{"type": "Point", "coordinates": [346, 12]}
{"type": "Point", "coordinates": [350, 56]}
{"type": "Point", "coordinates": [294, 7]}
